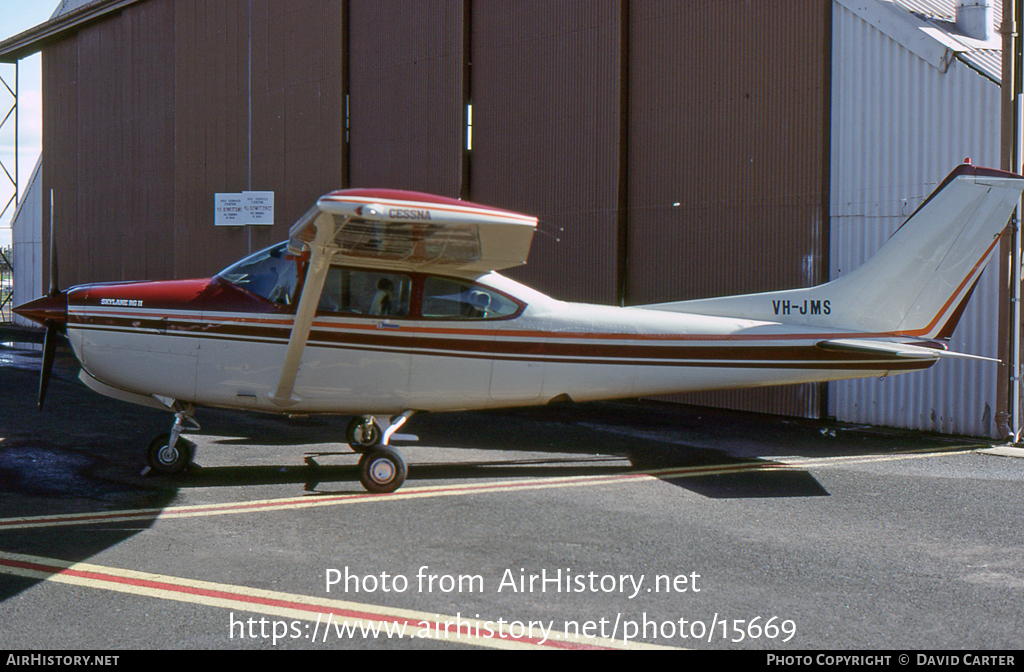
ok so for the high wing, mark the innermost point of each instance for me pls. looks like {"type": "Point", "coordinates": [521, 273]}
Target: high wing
{"type": "Point", "coordinates": [396, 230]}
{"type": "Point", "coordinates": [406, 230]}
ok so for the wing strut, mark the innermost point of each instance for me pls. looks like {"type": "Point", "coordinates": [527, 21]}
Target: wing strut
{"type": "Point", "coordinates": [319, 263]}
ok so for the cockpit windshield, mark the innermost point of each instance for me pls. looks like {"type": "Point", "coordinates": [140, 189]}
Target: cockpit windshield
{"type": "Point", "coordinates": [270, 273]}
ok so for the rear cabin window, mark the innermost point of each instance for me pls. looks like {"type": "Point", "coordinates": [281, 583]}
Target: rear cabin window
{"type": "Point", "coordinates": [455, 299]}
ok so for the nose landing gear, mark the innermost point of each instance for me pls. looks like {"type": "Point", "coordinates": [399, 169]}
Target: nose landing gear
{"type": "Point", "coordinates": [171, 454]}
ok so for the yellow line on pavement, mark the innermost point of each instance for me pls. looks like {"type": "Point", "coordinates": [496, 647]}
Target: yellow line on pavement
{"type": "Point", "coordinates": [312, 619]}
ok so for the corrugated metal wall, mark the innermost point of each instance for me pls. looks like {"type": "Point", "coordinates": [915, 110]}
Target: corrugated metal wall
{"type": "Point", "coordinates": [734, 131]}
{"type": "Point", "coordinates": [146, 117]}
{"type": "Point", "coordinates": [106, 125]}
{"type": "Point", "coordinates": [211, 127]}
{"type": "Point", "coordinates": [60, 156]}
{"type": "Point", "coordinates": [899, 127]}
{"type": "Point", "coordinates": [545, 95]}
{"type": "Point", "coordinates": [405, 69]}
{"type": "Point", "coordinates": [296, 131]}
{"type": "Point", "coordinates": [728, 164]}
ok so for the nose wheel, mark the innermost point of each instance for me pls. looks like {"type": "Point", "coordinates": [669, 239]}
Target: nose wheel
{"type": "Point", "coordinates": [167, 459]}
{"type": "Point", "coordinates": [170, 453]}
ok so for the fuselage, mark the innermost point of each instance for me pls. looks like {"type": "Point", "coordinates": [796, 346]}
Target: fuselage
{"type": "Point", "coordinates": [437, 343]}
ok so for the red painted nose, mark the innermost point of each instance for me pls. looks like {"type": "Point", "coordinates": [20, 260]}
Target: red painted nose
{"type": "Point", "coordinates": [46, 308]}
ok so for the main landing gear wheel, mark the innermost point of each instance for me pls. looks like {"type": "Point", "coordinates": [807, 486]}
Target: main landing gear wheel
{"type": "Point", "coordinates": [166, 459]}
{"type": "Point", "coordinates": [363, 433]}
{"type": "Point", "coordinates": [381, 469]}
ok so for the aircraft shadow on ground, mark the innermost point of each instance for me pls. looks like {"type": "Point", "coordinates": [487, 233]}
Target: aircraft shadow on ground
{"type": "Point", "coordinates": [591, 431]}
{"type": "Point", "coordinates": [81, 454]}
{"type": "Point", "coordinates": [564, 432]}
{"type": "Point", "coordinates": [321, 477]}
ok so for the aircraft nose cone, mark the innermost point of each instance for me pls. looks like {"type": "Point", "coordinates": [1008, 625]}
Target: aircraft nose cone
{"type": "Point", "coordinates": [46, 308]}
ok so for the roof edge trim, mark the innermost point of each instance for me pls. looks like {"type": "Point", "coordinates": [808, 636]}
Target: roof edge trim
{"type": "Point", "coordinates": [57, 28]}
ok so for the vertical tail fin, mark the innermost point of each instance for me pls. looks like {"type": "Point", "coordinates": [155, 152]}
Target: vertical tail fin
{"type": "Point", "coordinates": [917, 283]}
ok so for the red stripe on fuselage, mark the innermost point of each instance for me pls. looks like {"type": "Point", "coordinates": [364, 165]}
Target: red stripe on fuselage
{"type": "Point", "coordinates": [214, 295]}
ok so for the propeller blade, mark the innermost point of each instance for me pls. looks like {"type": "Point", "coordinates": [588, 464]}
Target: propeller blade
{"type": "Point", "coordinates": [54, 286]}
{"type": "Point", "coordinates": [49, 347]}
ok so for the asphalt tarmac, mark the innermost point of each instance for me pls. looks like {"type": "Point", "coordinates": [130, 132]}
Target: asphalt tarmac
{"type": "Point", "coordinates": [613, 525]}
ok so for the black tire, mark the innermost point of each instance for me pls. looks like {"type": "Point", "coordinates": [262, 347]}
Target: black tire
{"type": "Point", "coordinates": [382, 470]}
{"type": "Point", "coordinates": [168, 461]}
{"type": "Point", "coordinates": [362, 435]}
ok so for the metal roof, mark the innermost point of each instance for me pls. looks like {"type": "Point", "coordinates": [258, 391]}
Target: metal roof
{"type": "Point", "coordinates": [927, 28]}
{"type": "Point", "coordinates": [67, 6]}
{"type": "Point", "coordinates": [943, 10]}
{"type": "Point", "coordinates": [986, 58]}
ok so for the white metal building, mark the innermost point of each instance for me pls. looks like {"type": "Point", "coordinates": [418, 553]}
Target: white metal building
{"type": "Point", "coordinates": [27, 244]}
{"type": "Point", "coordinates": [913, 95]}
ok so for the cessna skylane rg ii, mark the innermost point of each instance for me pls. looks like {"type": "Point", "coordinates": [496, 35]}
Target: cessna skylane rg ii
{"type": "Point", "coordinates": [382, 304]}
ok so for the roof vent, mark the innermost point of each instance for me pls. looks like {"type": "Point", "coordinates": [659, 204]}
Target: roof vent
{"type": "Point", "coordinates": [974, 18]}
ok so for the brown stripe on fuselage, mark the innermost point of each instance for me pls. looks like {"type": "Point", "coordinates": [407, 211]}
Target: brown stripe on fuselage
{"type": "Point", "coordinates": [510, 346]}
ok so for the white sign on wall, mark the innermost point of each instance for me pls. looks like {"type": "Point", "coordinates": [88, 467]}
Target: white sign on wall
{"type": "Point", "coordinates": [249, 208]}
{"type": "Point", "coordinates": [228, 210]}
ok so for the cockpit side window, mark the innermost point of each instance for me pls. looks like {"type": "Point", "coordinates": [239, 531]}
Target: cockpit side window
{"type": "Point", "coordinates": [451, 298]}
{"type": "Point", "coordinates": [269, 273]}
{"type": "Point", "coordinates": [366, 293]}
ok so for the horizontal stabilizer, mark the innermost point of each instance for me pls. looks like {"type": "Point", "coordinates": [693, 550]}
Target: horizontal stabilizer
{"type": "Point", "coordinates": [895, 349]}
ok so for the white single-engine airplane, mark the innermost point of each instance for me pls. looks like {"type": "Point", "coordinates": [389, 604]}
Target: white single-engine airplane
{"type": "Point", "coordinates": [385, 303]}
